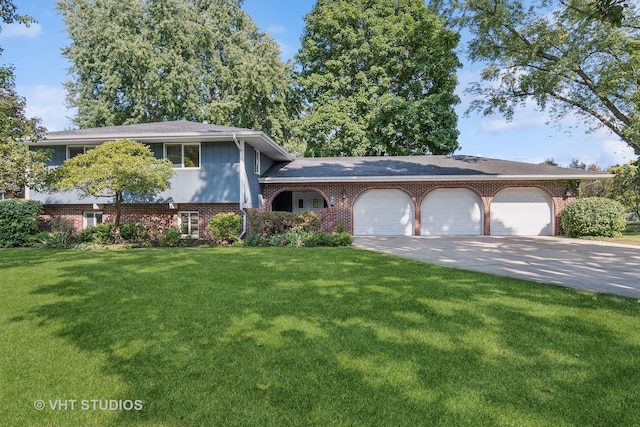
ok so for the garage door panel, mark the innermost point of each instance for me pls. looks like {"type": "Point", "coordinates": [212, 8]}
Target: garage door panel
{"type": "Point", "coordinates": [383, 213]}
{"type": "Point", "coordinates": [522, 212]}
{"type": "Point", "coordinates": [452, 212]}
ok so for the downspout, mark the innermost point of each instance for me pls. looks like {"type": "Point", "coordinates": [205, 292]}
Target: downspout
{"type": "Point", "coordinates": [241, 172]}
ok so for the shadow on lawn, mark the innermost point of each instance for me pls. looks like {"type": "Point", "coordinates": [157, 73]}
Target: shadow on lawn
{"type": "Point", "coordinates": [342, 337]}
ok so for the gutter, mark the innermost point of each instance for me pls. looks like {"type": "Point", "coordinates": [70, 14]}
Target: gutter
{"type": "Point", "coordinates": [417, 178]}
{"type": "Point", "coordinates": [241, 172]}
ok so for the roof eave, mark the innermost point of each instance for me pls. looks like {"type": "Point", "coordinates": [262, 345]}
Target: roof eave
{"type": "Point", "coordinates": [258, 138]}
{"type": "Point", "coordinates": [416, 178]}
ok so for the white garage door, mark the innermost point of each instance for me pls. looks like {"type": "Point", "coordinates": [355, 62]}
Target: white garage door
{"type": "Point", "coordinates": [452, 212]}
{"type": "Point", "coordinates": [383, 213]}
{"type": "Point", "coordinates": [522, 212]}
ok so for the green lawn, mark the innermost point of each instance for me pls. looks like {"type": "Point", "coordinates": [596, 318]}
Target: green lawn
{"type": "Point", "coordinates": [304, 337]}
{"type": "Point", "coordinates": [631, 235]}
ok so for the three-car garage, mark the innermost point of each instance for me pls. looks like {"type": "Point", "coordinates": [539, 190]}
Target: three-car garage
{"type": "Point", "coordinates": [431, 195]}
{"type": "Point", "coordinates": [518, 211]}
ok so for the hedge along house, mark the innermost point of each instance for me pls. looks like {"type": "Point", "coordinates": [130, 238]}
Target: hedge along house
{"type": "Point", "coordinates": [429, 195]}
{"type": "Point", "coordinates": [225, 169]}
{"type": "Point", "coordinates": [216, 170]}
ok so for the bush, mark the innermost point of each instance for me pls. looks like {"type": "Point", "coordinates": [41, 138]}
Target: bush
{"type": "Point", "coordinates": [593, 216]}
{"type": "Point", "coordinates": [225, 227]}
{"type": "Point", "coordinates": [133, 231]}
{"type": "Point", "coordinates": [18, 221]}
{"type": "Point", "coordinates": [101, 233]}
{"type": "Point", "coordinates": [171, 237]}
{"type": "Point", "coordinates": [296, 238]}
{"type": "Point", "coordinates": [275, 223]}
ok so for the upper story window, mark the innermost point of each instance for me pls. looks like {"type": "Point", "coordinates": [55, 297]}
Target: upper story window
{"type": "Point", "coordinates": [256, 162]}
{"type": "Point", "coordinates": [183, 155]}
{"type": "Point", "coordinates": [76, 150]}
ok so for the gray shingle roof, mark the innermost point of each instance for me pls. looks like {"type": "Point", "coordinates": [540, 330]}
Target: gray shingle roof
{"type": "Point", "coordinates": [173, 131]}
{"type": "Point", "coordinates": [416, 168]}
{"type": "Point", "coordinates": [178, 126]}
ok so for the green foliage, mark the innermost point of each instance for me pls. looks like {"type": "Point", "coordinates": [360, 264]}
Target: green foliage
{"type": "Point", "coordinates": [377, 78]}
{"type": "Point", "coordinates": [171, 237]}
{"type": "Point", "coordinates": [225, 227]}
{"type": "Point", "coordinates": [19, 165]}
{"type": "Point", "coordinates": [147, 61]}
{"type": "Point", "coordinates": [625, 186]}
{"type": "Point", "coordinates": [18, 221]}
{"type": "Point", "coordinates": [133, 231]}
{"type": "Point", "coordinates": [593, 217]}
{"type": "Point", "coordinates": [291, 229]}
{"type": "Point", "coordinates": [102, 233]}
{"type": "Point", "coordinates": [566, 55]}
{"type": "Point", "coordinates": [113, 168]}
{"type": "Point", "coordinates": [274, 223]}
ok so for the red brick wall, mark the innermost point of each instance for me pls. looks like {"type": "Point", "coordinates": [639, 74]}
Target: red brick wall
{"type": "Point", "coordinates": [342, 212]}
{"type": "Point", "coordinates": [155, 216]}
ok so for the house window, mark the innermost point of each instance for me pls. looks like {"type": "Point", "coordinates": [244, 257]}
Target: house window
{"type": "Point", "coordinates": [188, 224]}
{"type": "Point", "coordinates": [4, 196]}
{"type": "Point", "coordinates": [183, 155]}
{"type": "Point", "coordinates": [256, 162]}
{"type": "Point", "coordinates": [76, 150]}
{"type": "Point", "coordinates": [91, 219]}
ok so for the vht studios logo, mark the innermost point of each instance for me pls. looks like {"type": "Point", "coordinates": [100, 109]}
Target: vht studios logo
{"type": "Point", "coordinates": [88, 405]}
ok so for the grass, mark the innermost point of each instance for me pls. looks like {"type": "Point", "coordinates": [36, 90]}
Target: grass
{"type": "Point", "coordinates": [631, 235]}
{"type": "Point", "coordinates": [305, 337]}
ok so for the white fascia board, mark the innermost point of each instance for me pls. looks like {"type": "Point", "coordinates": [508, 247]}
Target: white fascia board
{"type": "Point", "coordinates": [416, 178]}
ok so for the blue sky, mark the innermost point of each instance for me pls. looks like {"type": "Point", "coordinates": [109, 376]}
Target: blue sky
{"type": "Point", "coordinates": [40, 71]}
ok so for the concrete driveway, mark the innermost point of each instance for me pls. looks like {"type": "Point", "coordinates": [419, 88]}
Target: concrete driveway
{"type": "Point", "coordinates": [595, 266]}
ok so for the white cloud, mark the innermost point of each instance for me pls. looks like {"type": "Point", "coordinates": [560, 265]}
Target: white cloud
{"type": "Point", "coordinates": [14, 30]}
{"type": "Point", "coordinates": [616, 152]}
{"type": "Point", "coordinates": [47, 103]}
{"type": "Point", "coordinates": [535, 119]}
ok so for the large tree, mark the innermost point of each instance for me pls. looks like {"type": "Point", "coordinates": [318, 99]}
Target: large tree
{"type": "Point", "coordinates": [115, 169]}
{"type": "Point", "coordinates": [155, 60]}
{"type": "Point", "coordinates": [19, 166]}
{"type": "Point", "coordinates": [377, 78]}
{"type": "Point", "coordinates": [577, 57]}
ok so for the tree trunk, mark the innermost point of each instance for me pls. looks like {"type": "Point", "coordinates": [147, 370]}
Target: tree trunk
{"type": "Point", "coordinates": [118, 206]}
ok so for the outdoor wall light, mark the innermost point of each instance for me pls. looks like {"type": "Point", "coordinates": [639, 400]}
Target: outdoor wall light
{"type": "Point", "coordinates": [97, 206]}
{"type": "Point", "coordinates": [172, 206]}
{"type": "Point", "coordinates": [568, 192]}
{"type": "Point", "coordinates": [332, 200]}
{"type": "Point", "coordinates": [344, 193]}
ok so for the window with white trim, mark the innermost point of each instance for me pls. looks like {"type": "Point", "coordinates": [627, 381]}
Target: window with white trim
{"type": "Point", "coordinates": [91, 219]}
{"type": "Point", "coordinates": [188, 224]}
{"type": "Point", "coordinates": [76, 150]}
{"type": "Point", "coordinates": [4, 196]}
{"type": "Point", "coordinates": [183, 155]}
{"type": "Point", "coordinates": [256, 162]}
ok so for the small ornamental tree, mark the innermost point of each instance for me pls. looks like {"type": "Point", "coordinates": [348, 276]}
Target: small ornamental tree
{"type": "Point", "coordinates": [113, 169]}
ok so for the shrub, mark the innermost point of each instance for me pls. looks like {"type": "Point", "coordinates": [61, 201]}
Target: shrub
{"type": "Point", "coordinates": [274, 223]}
{"type": "Point", "coordinates": [225, 227]}
{"type": "Point", "coordinates": [101, 233]}
{"type": "Point", "coordinates": [338, 239]}
{"type": "Point", "coordinates": [593, 216]}
{"type": "Point", "coordinates": [133, 231]}
{"type": "Point", "coordinates": [171, 237]}
{"type": "Point", "coordinates": [18, 221]}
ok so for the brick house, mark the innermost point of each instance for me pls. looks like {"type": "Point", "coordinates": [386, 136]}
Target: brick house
{"type": "Point", "coordinates": [226, 169]}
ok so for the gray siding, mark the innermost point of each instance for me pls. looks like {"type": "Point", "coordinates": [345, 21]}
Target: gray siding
{"type": "Point", "coordinates": [58, 154]}
{"type": "Point", "coordinates": [255, 189]}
